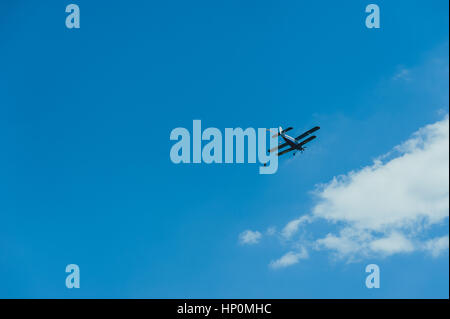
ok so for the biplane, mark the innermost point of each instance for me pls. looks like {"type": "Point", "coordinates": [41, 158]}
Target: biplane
{"type": "Point", "coordinates": [289, 143]}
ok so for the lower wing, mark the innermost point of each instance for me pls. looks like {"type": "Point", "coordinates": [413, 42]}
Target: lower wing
{"type": "Point", "coordinates": [280, 146]}
{"type": "Point", "coordinates": [285, 151]}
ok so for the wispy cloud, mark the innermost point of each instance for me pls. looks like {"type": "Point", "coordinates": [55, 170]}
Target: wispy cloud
{"type": "Point", "coordinates": [292, 227]}
{"type": "Point", "coordinates": [249, 237]}
{"type": "Point", "coordinates": [437, 245]}
{"type": "Point", "coordinates": [402, 74]}
{"type": "Point", "coordinates": [289, 259]}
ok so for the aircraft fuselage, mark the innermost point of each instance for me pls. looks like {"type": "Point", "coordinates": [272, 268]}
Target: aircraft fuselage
{"type": "Point", "coordinates": [292, 142]}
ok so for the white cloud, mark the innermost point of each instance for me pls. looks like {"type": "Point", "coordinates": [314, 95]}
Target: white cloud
{"type": "Point", "coordinates": [392, 244]}
{"type": "Point", "coordinates": [411, 186]}
{"type": "Point", "coordinates": [437, 246]}
{"type": "Point", "coordinates": [249, 237]}
{"type": "Point", "coordinates": [289, 259]}
{"type": "Point", "coordinates": [292, 227]}
{"type": "Point", "coordinates": [343, 244]}
{"type": "Point", "coordinates": [386, 206]}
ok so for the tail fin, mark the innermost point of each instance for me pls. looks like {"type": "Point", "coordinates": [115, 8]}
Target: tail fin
{"type": "Point", "coordinates": [280, 131]}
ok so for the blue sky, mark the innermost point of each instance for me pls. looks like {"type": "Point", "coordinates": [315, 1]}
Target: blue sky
{"type": "Point", "coordinates": [85, 121]}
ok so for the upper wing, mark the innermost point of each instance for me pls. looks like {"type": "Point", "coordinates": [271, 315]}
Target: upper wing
{"type": "Point", "coordinates": [307, 133]}
{"type": "Point", "coordinates": [279, 146]}
{"type": "Point", "coordinates": [309, 139]}
{"type": "Point", "coordinates": [285, 151]}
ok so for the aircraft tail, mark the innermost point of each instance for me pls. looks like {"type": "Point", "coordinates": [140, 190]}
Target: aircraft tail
{"type": "Point", "coordinates": [281, 131]}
